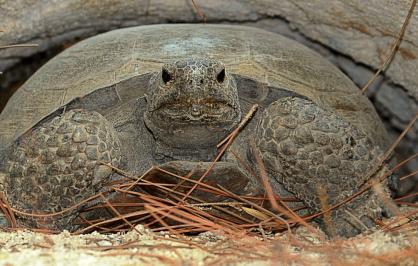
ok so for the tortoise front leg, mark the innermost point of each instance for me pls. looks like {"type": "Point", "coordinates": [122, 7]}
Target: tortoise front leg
{"type": "Point", "coordinates": [322, 159]}
{"type": "Point", "coordinates": [57, 165]}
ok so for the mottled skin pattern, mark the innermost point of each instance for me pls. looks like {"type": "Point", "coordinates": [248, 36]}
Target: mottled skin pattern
{"type": "Point", "coordinates": [191, 105]}
{"type": "Point", "coordinates": [312, 151]}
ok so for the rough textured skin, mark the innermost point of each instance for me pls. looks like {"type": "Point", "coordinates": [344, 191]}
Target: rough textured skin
{"type": "Point", "coordinates": [57, 165]}
{"type": "Point", "coordinates": [325, 134]}
{"type": "Point", "coordinates": [314, 153]}
{"type": "Point", "coordinates": [306, 146]}
{"type": "Point", "coordinates": [192, 105]}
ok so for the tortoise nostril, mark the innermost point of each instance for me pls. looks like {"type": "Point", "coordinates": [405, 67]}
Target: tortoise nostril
{"type": "Point", "coordinates": [201, 81]}
{"type": "Point", "coordinates": [166, 76]}
{"type": "Point", "coordinates": [221, 76]}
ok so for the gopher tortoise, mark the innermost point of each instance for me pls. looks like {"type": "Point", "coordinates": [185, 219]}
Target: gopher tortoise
{"type": "Point", "coordinates": [149, 95]}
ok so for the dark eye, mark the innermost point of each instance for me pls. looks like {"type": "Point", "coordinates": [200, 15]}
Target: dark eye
{"type": "Point", "coordinates": [166, 76]}
{"type": "Point", "coordinates": [221, 76]}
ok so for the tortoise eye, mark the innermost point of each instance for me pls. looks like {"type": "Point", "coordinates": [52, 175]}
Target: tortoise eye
{"type": "Point", "coordinates": [221, 76]}
{"type": "Point", "coordinates": [166, 76]}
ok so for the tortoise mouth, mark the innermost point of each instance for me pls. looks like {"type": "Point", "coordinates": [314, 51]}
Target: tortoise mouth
{"type": "Point", "coordinates": [197, 112]}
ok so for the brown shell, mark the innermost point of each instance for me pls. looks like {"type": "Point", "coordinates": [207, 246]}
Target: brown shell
{"type": "Point", "coordinates": [118, 55]}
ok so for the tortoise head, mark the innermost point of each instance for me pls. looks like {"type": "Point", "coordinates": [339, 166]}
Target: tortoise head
{"type": "Point", "coordinates": [192, 103]}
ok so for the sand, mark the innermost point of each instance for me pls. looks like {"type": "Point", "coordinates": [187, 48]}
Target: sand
{"type": "Point", "coordinates": [143, 247]}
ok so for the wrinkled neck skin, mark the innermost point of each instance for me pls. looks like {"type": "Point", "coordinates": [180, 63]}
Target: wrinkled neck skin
{"type": "Point", "coordinates": [191, 106]}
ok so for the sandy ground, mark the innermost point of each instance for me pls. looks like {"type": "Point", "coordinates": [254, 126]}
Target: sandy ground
{"type": "Point", "coordinates": [143, 247]}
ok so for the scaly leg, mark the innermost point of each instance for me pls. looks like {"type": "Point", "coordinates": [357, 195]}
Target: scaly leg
{"type": "Point", "coordinates": [322, 159]}
{"type": "Point", "coordinates": [56, 166]}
